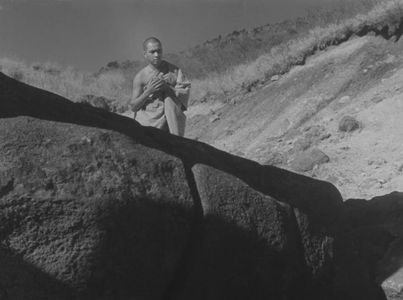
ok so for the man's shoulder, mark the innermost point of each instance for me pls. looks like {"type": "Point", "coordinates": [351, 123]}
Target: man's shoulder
{"type": "Point", "coordinates": [171, 67]}
{"type": "Point", "coordinates": [144, 70]}
{"type": "Point", "coordinates": [142, 74]}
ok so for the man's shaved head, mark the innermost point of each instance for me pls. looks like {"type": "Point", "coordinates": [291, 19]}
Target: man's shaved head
{"type": "Point", "coordinates": [150, 40]}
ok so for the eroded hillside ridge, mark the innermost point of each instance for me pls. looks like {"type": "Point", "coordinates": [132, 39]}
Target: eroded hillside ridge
{"type": "Point", "coordinates": [297, 119]}
{"type": "Point", "coordinates": [94, 206]}
{"type": "Point", "coordinates": [287, 44]}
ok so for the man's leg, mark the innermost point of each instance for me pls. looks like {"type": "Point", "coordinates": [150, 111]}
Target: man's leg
{"type": "Point", "coordinates": [175, 117]}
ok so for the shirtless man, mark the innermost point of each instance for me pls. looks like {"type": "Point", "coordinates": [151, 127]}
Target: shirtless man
{"type": "Point", "coordinates": [160, 92]}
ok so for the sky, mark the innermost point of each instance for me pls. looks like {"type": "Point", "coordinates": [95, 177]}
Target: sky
{"type": "Point", "coordinates": [87, 34]}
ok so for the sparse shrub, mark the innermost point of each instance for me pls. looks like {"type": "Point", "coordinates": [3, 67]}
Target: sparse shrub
{"type": "Point", "coordinates": [99, 102]}
{"type": "Point", "coordinates": [17, 75]}
{"type": "Point", "coordinates": [12, 68]}
{"type": "Point", "coordinates": [68, 82]}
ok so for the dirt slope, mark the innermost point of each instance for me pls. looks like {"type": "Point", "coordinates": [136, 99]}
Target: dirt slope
{"type": "Point", "coordinates": [287, 121]}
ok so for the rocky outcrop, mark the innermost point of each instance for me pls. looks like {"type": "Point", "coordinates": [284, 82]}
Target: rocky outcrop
{"type": "Point", "coordinates": [369, 248]}
{"type": "Point", "coordinates": [95, 211]}
{"type": "Point", "coordinates": [390, 271]}
{"type": "Point", "coordinates": [95, 206]}
{"type": "Point", "coordinates": [309, 159]}
{"type": "Point", "coordinates": [348, 124]}
{"type": "Point", "coordinates": [239, 220]}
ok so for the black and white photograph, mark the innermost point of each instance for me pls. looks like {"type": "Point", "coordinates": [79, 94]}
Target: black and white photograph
{"type": "Point", "coordinates": [201, 150]}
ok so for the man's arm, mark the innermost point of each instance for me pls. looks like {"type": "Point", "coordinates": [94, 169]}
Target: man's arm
{"type": "Point", "coordinates": [139, 96]}
{"type": "Point", "coordinates": [182, 89]}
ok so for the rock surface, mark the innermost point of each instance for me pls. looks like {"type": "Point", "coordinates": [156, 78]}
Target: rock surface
{"type": "Point", "coordinates": [81, 204]}
{"type": "Point", "coordinates": [369, 243]}
{"type": "Point", "coordinates": [307, 160]}
{"type": "Point", "coordinates": [391, 266]}
{"type": "Point", "coordinates": [267, 230]}
{"type": "Point", "coordinates": [94, 206]}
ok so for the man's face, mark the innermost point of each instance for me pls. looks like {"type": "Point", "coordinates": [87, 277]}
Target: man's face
{"type": "Point", "coordinates": [153, 53]}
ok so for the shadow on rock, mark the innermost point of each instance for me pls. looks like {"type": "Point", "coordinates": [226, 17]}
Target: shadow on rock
{"type": "Point", "coordinates": [220, 261]}
{"type": "Point", "coordinates": [224, 259]}
{"type": "Point", "coordinates": [367, 238]}
{"type": "Point", "coordinates": [19, 280]}
{"type": "Point", "coordinates": [139, 252]}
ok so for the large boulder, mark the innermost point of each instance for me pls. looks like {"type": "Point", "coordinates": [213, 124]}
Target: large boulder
{"type": "Point", "coordinates": [239, 220]}
{"type": "Point", "coordinates": [95, 206]}
{"type": "Point", "coordinates": [100, 216]}
{"type": "Point", "coordinates": [106, 217]}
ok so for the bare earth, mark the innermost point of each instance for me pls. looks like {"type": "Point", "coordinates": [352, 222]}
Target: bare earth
{"type": "Point", "coordinates": [276, 124]}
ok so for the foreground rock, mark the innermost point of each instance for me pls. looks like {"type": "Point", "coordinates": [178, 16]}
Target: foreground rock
{"type": "Point", "coordinates": [94, 206]}
{"type": "Point", "coordinates": [100, 214]}
{"type": "Point", "coordinates": [370, 248]}
{"type": "Point", "coordinates": [390, 270]}
{"type": "Point", "coordinates": [266, 229]}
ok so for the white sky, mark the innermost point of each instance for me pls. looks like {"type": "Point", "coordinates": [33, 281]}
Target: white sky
{"type": "Point", "coordinates": [87, 34]}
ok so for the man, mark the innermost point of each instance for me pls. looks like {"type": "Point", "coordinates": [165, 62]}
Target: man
{"type": "Point", "coordinates": [160, 92]}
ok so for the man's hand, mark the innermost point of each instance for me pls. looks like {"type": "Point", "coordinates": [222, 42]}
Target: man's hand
{"type": "Point", "coordinates": [154, 85]}
{"type": "Point", "coordinates": [170, 79]}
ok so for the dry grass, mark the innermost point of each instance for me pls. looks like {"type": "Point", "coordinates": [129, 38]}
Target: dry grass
{"type": "Point", "coordinates": [67, 82]}
{"type": "Point", "coordinates": [382, 17]}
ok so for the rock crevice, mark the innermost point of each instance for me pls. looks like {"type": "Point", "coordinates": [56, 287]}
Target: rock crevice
{"type": "Point", "coordinates": [194, 241]}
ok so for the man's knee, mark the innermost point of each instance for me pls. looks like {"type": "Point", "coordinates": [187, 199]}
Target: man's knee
{"type": "Point", "coordinates": [169, 99]}
{"type": "Point", "coordinates": [171, 104]}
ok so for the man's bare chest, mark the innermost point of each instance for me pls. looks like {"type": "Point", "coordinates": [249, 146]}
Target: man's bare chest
{"type": "Point", "coordinates": [164, 73]}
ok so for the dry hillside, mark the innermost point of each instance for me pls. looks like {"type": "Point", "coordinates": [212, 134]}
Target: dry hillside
{"type": "Point", "coordinates": [293, 121]}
